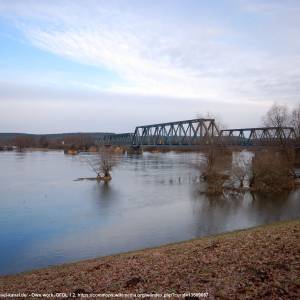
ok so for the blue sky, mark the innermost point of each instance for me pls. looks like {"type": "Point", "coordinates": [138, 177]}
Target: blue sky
{"type": "Point", "coordinates": [111, 65]}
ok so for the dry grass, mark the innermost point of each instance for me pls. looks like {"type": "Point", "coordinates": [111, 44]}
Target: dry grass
{"type": "Point", "coordinates": [260, 263]}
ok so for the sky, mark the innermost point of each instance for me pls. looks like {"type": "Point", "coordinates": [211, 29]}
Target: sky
{"type": "Point", "coordinates": [93, 65]}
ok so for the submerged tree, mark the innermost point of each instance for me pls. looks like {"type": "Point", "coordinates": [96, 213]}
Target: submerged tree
{"type": "Point", "coordinates": [241, 170]}
{"type": "Point", "coordinates": [102, 163]}
{"type": "Point", "coordinates": [213, 170]}
{"type": "Point", "coordinates": [272, 171]}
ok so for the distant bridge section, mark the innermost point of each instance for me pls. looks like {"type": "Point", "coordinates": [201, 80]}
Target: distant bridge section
{"type": "Point", "coordinates": [121, 139]}
{"type": "Point", "coordinates": [261, 136]}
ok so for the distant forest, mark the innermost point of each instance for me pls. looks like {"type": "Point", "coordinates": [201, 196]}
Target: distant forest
{"type": "Point", "coordinates": [57, 140]}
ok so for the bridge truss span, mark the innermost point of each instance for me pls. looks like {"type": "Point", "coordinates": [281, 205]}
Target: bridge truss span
{"type": "Point", "coordinates": [181, 133]}
{"type": "Point", "coordinates": [261, 136]}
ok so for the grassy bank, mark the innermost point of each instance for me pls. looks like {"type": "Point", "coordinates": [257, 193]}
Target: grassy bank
{"type": "Point", "coordinates": [258, 263]}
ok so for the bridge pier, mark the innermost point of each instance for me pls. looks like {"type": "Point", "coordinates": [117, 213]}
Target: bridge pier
{"type": "Point", "coordinates": [135, 150]}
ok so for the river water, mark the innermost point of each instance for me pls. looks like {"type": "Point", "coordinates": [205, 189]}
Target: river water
{"type": "Point", "coordinates": [47, 217]}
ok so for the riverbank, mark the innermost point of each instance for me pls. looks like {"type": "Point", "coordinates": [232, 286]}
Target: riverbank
{"type": "Point", "coordinates": [257, 263]}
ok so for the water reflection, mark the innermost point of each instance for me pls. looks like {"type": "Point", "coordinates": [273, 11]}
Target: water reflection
{"type": "Point", "coordinates": [103, 191]}
{"type": "Point", "coordinates": [219, 213]}
{"type": "Point", "coordinates": [105, 197]}
{"type": "Point", "coordinates": [48, 218]}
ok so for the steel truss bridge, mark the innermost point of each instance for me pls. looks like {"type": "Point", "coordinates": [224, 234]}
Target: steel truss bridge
{"type": "Point", "coordinates": [200, 132]}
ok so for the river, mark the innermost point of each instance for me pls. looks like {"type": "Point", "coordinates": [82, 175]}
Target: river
{"type": "Point", "coordinates": [48, 218]}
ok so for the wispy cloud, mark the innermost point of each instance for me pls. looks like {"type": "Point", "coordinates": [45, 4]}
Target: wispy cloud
{"type": "Point", "coordinates": [248, 53]}
{"type": "Point", "coordinates": [154, 56]}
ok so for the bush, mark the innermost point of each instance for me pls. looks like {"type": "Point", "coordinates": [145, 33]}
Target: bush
{"type": "Point", "coordinates": [213, 170]}
{"type": "Point", "coordinates": [272, 172]}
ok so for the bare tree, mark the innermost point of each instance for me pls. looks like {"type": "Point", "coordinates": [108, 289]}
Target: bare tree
{"type": "Point", "coordinates": [23, 141]}
{"type": "Point", "coordinates": [271, 171]}
{"type": "Point", "coordinates": [241, 170]}
{"type": "Point", "coordinates": [102, 163]}
{"type": "Point", "coordinates": [218, 121]}
{"type": "Point", "coordinates": [279, 116]}
{"type": "Point", "coordinates": [213, 168]}
{"type": "Point", "coordinates": [276, 116]}
{"type": "Point", "coordinates": [43, 142]}
{"type": "Point", "coordinates": [295, 120]}
{"type": "Point", "coordinates": [213, 165]}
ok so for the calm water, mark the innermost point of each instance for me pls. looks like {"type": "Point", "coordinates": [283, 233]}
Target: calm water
{"type": "Point", "coordinates": [48, 218]}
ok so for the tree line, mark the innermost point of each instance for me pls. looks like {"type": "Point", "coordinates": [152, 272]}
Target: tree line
{"type": "Point", "coordinates": [263, 170]}
{"type": "Point", "coordinates": [281, 116]}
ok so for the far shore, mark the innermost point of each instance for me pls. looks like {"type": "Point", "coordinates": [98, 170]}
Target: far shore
{"type": "Point", "coordinates": [255, 263]}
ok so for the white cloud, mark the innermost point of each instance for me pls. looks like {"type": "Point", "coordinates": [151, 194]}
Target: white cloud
{"type": "Point", "coordinates": [153, 56]}
{"type": "Point", "coordinates": [145, 63]}
{"type": "Point", "coordinates": [58, 110]}
{"type": "Point", "coordinates": [215, 61]}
